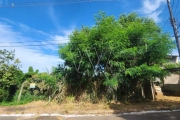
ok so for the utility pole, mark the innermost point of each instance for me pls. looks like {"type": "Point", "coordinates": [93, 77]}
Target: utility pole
{"type": "Point", "coordinates": [173, 23]}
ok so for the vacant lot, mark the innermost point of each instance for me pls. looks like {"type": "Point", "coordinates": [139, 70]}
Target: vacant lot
{"type": "Point", "coordinates": [162, 102]}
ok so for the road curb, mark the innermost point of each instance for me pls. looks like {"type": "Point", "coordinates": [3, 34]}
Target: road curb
{"type": "Point", "coordinates": [82, 115]}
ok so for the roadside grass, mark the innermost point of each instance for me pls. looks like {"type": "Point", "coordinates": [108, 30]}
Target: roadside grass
{"type": "Point", "coordinates": [161, 103]}
{"type": "Point", "coordinates": [27, 98]}
{"type": "Point", "coordinates": [73, 107]}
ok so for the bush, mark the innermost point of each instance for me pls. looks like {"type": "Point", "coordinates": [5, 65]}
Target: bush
{"type": "Point", "coordinates": [3, 95]}
{"type": "Point", "coordinates": [26, 98]}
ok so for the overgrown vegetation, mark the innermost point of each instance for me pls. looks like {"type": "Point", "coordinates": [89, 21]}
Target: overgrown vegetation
{"type": "Point", "coordinates": [111, 61]}
{"type": "Point", "coordinates": [9, 75]}
{"type": "Point", "coordinates": [15, 85]}
{"type": "Point", "coordinates": [115, 58]}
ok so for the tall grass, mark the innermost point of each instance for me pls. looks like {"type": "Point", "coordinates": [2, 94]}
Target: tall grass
{"type": "Point", "coordinates": [26, 98]}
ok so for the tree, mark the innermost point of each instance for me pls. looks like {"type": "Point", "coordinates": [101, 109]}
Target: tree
{"type": "Point", "coordinates": [116, 55]}
{"type": "Point", "coordinates": [30, 73]}
{"type": "Point", "coordinates": [30, 69]}
{"type": "Point", "coordinates": [10, 74]}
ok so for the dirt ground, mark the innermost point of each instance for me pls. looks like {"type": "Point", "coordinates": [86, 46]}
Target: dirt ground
{"type": "Point", "coordinates": [38, 107]}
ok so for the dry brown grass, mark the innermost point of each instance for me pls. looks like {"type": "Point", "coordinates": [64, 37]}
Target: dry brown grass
{"type": "Point", "coordinates": [162, 102]}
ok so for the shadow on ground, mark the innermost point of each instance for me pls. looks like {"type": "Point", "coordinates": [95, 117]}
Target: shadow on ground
{"type": "Point", "coordinates": [162, 104]}
{"type": "Point", "coordinates": [154, 116]}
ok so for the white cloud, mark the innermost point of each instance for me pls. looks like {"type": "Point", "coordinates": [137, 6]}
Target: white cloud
{"type": "Point", "coordinates": [152, 8]}
{"type": "Point", "coordinates": [40, 57]}
{"type": "Point", "coordinates": [151, 5]}
{"type": "Point", "coordinates": [173, 38]}
{"type": "Point", "coordinates": [53, 17]}
{"type": "Point", "coordinates": [3, 2]}
{"type": "Point", "coordinates": [62, 39]}
{"type": "Point", "coordinates": [37, 59]}
{"type": "Point", "coordinates": [155, 16]}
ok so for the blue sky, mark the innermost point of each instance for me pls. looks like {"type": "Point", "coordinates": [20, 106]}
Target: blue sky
{"type": "Point", "coordinates": [29, 25]}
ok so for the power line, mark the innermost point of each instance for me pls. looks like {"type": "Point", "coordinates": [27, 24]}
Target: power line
{"type": "Point", "coordinates": [52, 44]}
{"type": "Point", "coordinates": [176, 7]}
{"type": "Point", "coordinates": [177, 14]}
{"type": "Point", "coordinates": [33, 45]}
{"type": "Point", "coordinates": [167, 29]}
{"type": "Point", "coordinates": [66, 28]}
{"type": "Point", "coordinates": [173, 4]}
{"type": "Point", "coordinates": [53, 3]}
{"type": "Point", "coordinates": [174, 26]}
{"type": "Point", "coordinates": [167, 20]}
{"type": "Point", "coordinates": [80, 28]}
{"type": "Point", "coordinates": [37, 41]}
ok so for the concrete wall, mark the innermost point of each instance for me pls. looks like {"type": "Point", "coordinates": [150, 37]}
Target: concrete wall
{"type": "Point", "coordinates": [174, 59]}
{"type": "Point", "coordinates": [172, 82]}
{"type": "Point", "coordinates": [172, 85]}
{"type": "Point", "coordinates": [172, 79]}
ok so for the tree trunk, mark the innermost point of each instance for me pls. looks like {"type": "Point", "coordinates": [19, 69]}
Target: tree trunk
{"type": "Point", "coordinates": [142, 90]}
{"type": "Point", "coordinates": [19, 96]}
{"type": "Point", "coordinates": [152, 89]}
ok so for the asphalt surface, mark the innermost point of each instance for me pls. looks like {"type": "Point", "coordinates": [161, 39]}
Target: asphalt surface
{"type": "Point", "coordinates": [141, 116]}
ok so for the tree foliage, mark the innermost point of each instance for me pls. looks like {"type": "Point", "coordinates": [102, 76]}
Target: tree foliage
{"type": "Point", "coordinates": [10, 74]}
{"type": "Point", "coordinates": [13, 80]}
{"type": "Point", "coordinates": [116, 53]}
{"type": "Point", "coordinates": [172, 67]}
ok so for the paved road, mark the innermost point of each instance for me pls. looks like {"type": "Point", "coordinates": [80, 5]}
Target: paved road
{"type": "Point", "coordinates": [147, 116]}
